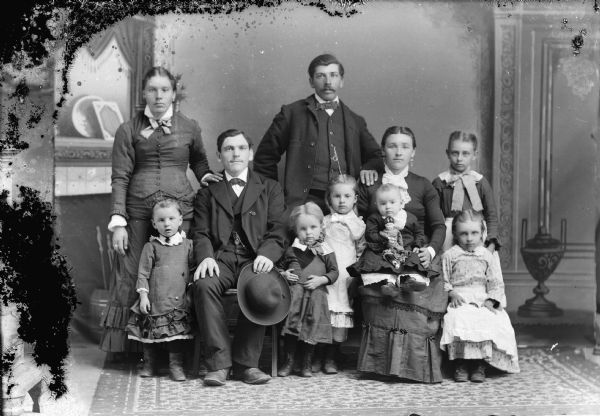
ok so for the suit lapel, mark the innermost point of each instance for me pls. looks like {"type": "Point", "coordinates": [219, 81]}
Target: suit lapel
{"type": "Point", "coordinates": [254, 187]}
{"type": "Point", "coordinates": [311, 106]}
{"type": "Point", "coordinates": [220, 192]}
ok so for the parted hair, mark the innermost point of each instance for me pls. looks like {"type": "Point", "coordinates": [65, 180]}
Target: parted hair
{"type": "Point", "coordinates": [230, 133]}
{"type": "Point", "coordinates": [398, 130]}
{"type": "Point", "coordinates": [159, 71]}
{"type": "Point", "coordinates": [463, 136]}
{"type": "Point", "coordinates": [465, 216]}
{"type": "Point", "coordinates": [342, 179]}
{"type": "Point", "coordinates": [324, 60]}
{"type": "Point", "coordinates": [309, 208]}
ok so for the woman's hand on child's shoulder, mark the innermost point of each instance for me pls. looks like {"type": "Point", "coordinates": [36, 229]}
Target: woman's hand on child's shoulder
{"type": "Point", "coordinates": [289, 275]}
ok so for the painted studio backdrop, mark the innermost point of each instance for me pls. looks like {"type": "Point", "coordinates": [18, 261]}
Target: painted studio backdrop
{"type": "Point", "coordinates": [507, 73]}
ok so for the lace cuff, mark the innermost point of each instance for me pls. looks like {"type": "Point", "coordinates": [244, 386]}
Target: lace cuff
{"type": "Point", "coordinates": [116, 221]}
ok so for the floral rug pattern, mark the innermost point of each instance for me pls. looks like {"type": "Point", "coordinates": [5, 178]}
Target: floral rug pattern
{"type": "Point", "coordinates": [558, 381]}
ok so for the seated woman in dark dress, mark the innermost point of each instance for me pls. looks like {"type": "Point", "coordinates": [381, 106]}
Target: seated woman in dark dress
{"type": "Point", "coordinates": [401, 335]}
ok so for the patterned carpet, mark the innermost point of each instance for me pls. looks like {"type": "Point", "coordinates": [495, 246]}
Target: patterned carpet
{"type": "Point", "coordinates": [553, 382]}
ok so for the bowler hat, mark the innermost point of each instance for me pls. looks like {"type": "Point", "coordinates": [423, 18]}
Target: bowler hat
{"type": "Point", "coordinates": [264, 298]}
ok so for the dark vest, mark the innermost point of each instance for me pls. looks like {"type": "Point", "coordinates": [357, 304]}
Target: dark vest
{"type": "Point", "coordinates": [331, 133]}
{"type": "Point", "coordinates": [238, 242]}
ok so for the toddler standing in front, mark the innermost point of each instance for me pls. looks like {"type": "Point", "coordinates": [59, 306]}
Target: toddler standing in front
{"type": "Point", "coordinates": [309, 265]}
{"type": "Point", "coordinates": [344, 233]}
{"type": "Point", "coordinates": [162, 312]}
{"type": "Point", "coordinates": [477, 330]}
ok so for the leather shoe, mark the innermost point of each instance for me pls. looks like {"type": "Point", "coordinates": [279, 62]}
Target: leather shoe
{"type": "Point", "coordinates": [216, 378]}
{"type": "Point", "coordinates": [478, 374]}
{"type": "Point", "coordinates": [252, 375]}
{"type": "Point", "coordinates": [461, 373]}
{"type": "Point", "coordinates": [330, 366]}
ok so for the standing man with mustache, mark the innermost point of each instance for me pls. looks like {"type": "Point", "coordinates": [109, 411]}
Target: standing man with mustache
{"type": "Point", "coordinates": [321, 137]}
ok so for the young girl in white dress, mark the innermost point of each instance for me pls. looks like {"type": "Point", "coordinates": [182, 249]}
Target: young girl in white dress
{"type": "Point", "coordinates": [344, 232]}
{"type": "Point", "coordinates": [477, 331]}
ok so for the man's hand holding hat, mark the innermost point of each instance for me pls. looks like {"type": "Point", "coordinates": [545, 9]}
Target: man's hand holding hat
{"type": "Point", "coordinates": [262, 264]}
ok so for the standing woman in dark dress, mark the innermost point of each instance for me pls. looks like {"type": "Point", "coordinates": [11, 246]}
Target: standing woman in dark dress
{"type": "Point", "coordinates": [401, 336]}
{"type": "Point", "coordinates": [150, 158]}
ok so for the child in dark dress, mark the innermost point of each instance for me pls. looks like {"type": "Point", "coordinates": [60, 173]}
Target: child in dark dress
{"type": "Point", "coordinates": [393, 237]}
{"type": "Point", "coordinates": [162, 312]}
{"type": "Point", "coordinates": [309, 265]}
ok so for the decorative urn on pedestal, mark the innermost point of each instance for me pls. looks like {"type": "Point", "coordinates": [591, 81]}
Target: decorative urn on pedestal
{"type": "Point", "coordinates": [541, 255]}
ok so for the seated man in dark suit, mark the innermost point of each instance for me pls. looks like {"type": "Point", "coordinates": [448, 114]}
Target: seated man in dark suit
{"type": "Point", "coordinates": [237, 221]}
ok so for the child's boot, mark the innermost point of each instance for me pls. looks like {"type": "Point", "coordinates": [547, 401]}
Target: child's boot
{"type": "Point", "coordinates": [461, 373]}
{"type": "Point", "coordinates": [306, 370]}
{"type": "Point", "coordinates": [176, 362]}
{"type": "Point", "coordinates": [289, 347]}
{"type": "Point", "coordinates": [412, 282]}
{"type": "Point", "coordinates": [317, 358]}
{"type": "Point", "coordinates": [478, 373]}
{"type": "Point", "coordinates": [147, 369]}
{"type": "Point", "coordinates": [329, 365]}
{"type": "Point", "coordinates": [297, 367]}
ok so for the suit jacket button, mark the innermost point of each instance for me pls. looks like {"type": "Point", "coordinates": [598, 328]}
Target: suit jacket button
{"type": "Point", "coordinates": [252, 213]}
{"type": "Point", "coordinates": [309, 166]}
{"type": "Point", "coordinates": [312, 144]}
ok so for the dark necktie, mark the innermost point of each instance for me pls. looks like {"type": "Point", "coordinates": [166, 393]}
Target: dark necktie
{"type": "Point", "coordinates": [328, 105]}
{"type": "Point", "coordinates": [237, 181]}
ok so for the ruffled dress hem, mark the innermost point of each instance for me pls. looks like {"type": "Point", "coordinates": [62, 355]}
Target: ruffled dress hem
{"type": "Point", "coordinates": [485, 350]}
{"type": "Point", "coordinates": [342, 320]}
{"type": "Point", "coordinates": [115, 317]}
{"type": "Point", "coordinates": [114, 338]}
{"type": "Point", "coordinates": [154, 341]}
{"type": "Point", "coordinates": [175, 324]}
